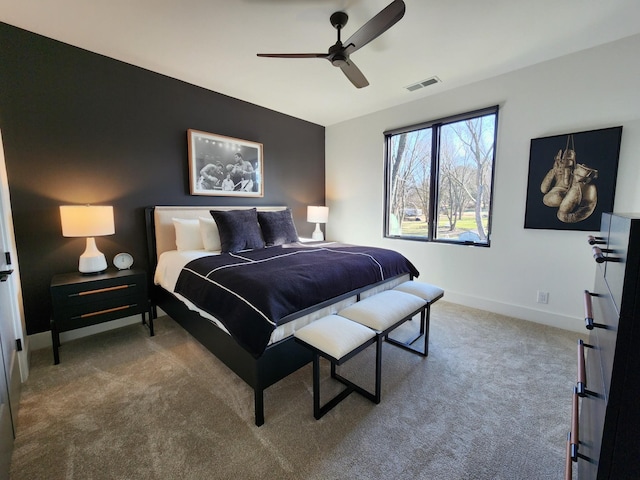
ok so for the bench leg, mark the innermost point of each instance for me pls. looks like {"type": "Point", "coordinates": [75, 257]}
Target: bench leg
{"type": "Point", "coordinates": [425, 315]}
{"type": "Point", "coordinates": [378, 394]}
{"type": "Point", "coordinates": [426, 325]}
{"type": "Point", "coordinates": [320, 410]}
{"type": "Point", "coordinates": [316, 385]}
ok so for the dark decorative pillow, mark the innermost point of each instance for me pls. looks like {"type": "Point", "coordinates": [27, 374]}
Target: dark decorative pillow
{"type": "Point", "coordinates": [277, 227]}
{"type": "Point", "coordinates": [239, 229]}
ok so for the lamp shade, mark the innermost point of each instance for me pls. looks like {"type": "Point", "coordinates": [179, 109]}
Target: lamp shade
{"type": "Point", "coordinates": [317, 214]}
{"type": "Point", "coordinates": [86, 220]}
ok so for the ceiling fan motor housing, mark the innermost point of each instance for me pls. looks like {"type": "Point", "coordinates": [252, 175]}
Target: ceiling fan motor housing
{"type": "Point", "coordinates": [339, 59]}
{"type": "Point", "coordinates": [336, 54]}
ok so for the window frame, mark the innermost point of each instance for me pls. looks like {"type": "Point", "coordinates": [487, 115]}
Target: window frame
{"type": "Point", "coordinates": [436, 126]}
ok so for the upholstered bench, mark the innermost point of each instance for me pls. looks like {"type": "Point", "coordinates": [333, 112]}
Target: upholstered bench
{"type": "Point", "coordinates": [338, 339]}
{"type": "Point", "coordinates": [430, 294]}
{"type": "Point", "coordinates": [386, 311]}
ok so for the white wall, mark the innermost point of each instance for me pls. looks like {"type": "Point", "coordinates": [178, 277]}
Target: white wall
{"type": "Point", "coordinates": [593, 89]}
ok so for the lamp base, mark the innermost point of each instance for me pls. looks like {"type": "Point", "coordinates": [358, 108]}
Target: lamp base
{"type": "Point", "coordinates": [317, 233]}
{"type": "Point", "coordinates": [92, 260]}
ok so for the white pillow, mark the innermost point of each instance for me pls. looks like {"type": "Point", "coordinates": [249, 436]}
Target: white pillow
{"type": "Point", "coordinates": [210, 234]}
{"type": "Point", "coordinates": [188, 234]}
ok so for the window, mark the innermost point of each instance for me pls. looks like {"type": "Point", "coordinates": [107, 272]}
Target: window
{"type": "Point", "coordinates": [439, 179]}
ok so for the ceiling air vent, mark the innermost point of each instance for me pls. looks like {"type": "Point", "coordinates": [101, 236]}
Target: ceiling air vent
{"type": "Point", "coordinates": [422, 84]}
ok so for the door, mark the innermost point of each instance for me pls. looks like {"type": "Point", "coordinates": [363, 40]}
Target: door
{"type": "Point", "coordinates": [6, 423]}
{"type": "Point", "coordinates": [11, 326]}
{"type": "Point", "coordinates": [7, 357]}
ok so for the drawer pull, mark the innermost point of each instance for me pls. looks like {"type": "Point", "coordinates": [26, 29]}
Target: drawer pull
{"type": "Point", "coordinates": [101, 312]}
{"type": "Point", "coordinates": [102, 290]}
{"type": "Point", "coordinates": [588, 312]}
{"type": "Point", "coordinates": [574, 439]}
{"type": "Point", "coordinates": [598, 255]}
{"type": "Point", "coordinates": [595, 240]}
{"type": "Point", "coordinates": [568, 464]}
{"type": "Point", "coordinates": [582, 378]}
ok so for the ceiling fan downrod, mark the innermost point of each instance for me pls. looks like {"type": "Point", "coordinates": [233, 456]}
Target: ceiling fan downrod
{"type": "Point", "coordinates": [338, 58]}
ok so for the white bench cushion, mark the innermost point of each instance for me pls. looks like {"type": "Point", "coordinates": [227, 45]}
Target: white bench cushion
{"type": "Point", "coordinates": [334, 335]}
{"type": "Point", "coordinates": [383, 309]}
{"type": "Point", "coordinates": [425, 291]}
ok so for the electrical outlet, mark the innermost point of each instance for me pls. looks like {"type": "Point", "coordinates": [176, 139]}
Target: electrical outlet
{"type": "Point", "coordinates": [543, 297]}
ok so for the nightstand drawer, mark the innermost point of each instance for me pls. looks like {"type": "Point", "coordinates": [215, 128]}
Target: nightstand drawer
{"type": "Point", "coordinates": [80, 315]}
{"type": "Point", "coordinates": [98, 292]}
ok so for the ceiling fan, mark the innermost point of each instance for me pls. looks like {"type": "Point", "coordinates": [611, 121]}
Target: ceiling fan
{"type": "Point", "coordinates": [338, 53]}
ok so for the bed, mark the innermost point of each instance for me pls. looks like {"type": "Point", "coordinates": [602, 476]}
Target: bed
{"type": "Point", "coordinates": [274, 354]}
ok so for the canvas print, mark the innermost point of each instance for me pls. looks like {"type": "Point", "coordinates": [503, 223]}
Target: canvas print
{"type": "Point", "coordinates": [224, 166]}
{"type": "Point", "coordinates": [572, 179]}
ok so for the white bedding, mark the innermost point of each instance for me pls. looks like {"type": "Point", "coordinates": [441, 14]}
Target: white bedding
{"type": "Point", "coordinates": [171, 262]}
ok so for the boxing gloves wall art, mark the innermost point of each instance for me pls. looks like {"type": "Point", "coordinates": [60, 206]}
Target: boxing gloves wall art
{"type": "Point", "coordinates": [572, 179]}
{"type": "Point", "coordinates": [570, 186]}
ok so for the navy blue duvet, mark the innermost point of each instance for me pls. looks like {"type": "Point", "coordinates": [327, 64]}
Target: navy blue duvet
{"type": "Point", "coordinates": [253, 292]}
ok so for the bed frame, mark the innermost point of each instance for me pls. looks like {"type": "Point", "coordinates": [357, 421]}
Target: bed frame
{"type": "Point", "coordinates": [279, 360]}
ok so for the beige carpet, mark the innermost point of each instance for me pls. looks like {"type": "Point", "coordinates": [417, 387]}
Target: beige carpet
{"type": "Point", "coordinates": [492, 401]}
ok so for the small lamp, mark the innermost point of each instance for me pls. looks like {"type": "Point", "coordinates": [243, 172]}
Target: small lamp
{"type": "Point", "coordinates": [88, 221]}
{"type": "Point", "coordinates": [317, 215]}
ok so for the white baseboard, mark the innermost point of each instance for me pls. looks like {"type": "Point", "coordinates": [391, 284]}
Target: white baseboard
{"type": "Point", "coordinates": [517, 311]}
{"type": "Point", "coordinates": [41, 340]}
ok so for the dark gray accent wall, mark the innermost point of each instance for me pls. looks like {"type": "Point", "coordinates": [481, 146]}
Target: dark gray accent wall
{"type": "Point", "coordinates": [78, 127]}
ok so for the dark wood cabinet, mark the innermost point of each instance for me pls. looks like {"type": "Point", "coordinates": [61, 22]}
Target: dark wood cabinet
{"type": "Point", "coordinates": [608, 445]}
{"type": "Point", "coordinates": [83, 300]}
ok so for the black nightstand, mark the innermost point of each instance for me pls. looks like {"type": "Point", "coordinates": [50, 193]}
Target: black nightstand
{"type": "Point", "coordinates": [82, 300]}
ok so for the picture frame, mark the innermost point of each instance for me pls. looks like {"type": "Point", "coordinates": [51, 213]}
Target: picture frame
{"type": "Point", "coordinates": [572, 179]}
{"type": "Point", "coordinates": [224, 166]}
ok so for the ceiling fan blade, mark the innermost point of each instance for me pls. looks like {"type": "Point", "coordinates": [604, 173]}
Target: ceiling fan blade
{"type": "Point", "coordinates": [354, 74]}
{"type": "Point", "coordinates": [375, 27]}
{"type": "Point", "coordinates": [293, 55]}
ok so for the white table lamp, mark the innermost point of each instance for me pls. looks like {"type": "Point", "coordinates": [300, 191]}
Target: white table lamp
{"type": "Point", "coordinates": [317, 215]}
{"type": "Point", "coordinates": [88, 221]}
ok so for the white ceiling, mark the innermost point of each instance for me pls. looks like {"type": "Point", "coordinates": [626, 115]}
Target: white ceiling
{"type": "Point", "coordinates": [213, 43]}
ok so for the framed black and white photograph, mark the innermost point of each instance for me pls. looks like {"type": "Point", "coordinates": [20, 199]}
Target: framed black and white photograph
{"type": "Point", "coordinates": [572, 179]}
{"type": "Point", "coordinates": [224, 166]}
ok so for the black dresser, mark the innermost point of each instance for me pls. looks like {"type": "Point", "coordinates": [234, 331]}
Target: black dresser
{"type": "Point", "coordinates": [605, 434]}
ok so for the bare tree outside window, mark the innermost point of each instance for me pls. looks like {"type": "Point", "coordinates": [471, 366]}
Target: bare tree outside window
{"type": "Point", "coordinates": [411, 167]}
{"type": "Point", "coordinates": [439, 179]}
